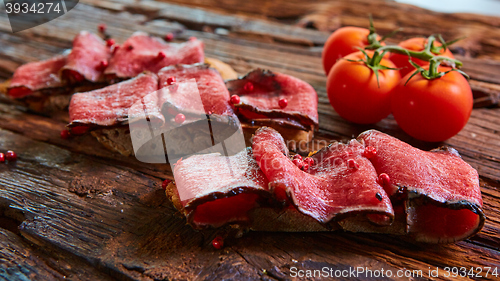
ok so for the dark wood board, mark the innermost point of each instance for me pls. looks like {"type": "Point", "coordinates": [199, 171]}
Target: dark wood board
{"type": "Point", "coordinates": [70, 209]}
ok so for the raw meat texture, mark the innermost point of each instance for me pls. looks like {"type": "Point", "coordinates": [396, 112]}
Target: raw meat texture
{"type": "Point", "coordinates": [260, 92]}
{"type": "Point", "coordinates": [211, 89]}
{"type": "Point", "coordinates": [36, 76]}
{"type": "Point", "coordinates": [330, 189]}
{"type": "Point", "coordinates": [85, 62]}
{"type": "Point", "coordinates": [440, 174]}
{"type": "Point", "coordinates": [110, 105]}
{"type": "Point", "coordinates": [442, 193]}
{"type": "Point", "coordinates": [436, 193]}
{"type": "Point", "coordinates": [213, 190]}
{"type": "Point", "coordinates": [141, 52]}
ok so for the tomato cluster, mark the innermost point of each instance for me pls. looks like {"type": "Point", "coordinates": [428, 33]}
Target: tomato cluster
{"type": "Point", "coordinates": [363, 86]}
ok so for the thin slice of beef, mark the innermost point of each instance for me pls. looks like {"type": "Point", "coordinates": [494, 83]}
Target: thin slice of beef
{"type": "Point", "coordinates": [142, 52]}
{"type": "Point", "coordinates": [212, 190]}
{"type": "Point", "coordinates": [37, 76]}
{"type": "Point", "coordinates": [211, 89]}
{"type": "Point", "coordinates": [261, 90]}
{"type": "Point", "coordinates": [199, 94]}
{"type": "Point", "coordinates": [87, 60]}
{"type": "Point", "coordinates": [133, 119]}
{"type": "Point", "coordinates": [341, 183]}
{"type": "Point", "coordinates": [438, 190]}
{"type": "Point", "coordinates": [109, 106]}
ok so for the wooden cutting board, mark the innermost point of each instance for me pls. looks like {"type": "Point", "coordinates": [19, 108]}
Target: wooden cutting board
{"type": "Point", "coordinates": [72, 209]}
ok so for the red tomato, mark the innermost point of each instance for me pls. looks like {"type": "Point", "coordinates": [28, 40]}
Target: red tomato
{"type": "Point", "coordinates": [432, 110]}
{"type": "Point", "coordinates": [354, 93]}
{"type": "Point", "coordinates": [414, 44]}
{"type": "Point", "coordinates": [343, 42]}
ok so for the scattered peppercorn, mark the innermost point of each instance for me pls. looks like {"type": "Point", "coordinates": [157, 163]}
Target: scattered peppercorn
{"type": "Point", "coordinates": [370, 152]}
{"type": "Point", "coordinates": [235, 99]}
{"type": "Point", "coordinates": [165, 184]}
{"type": "Point", "coordinates": [180, 118]}
{"type": "Point", "coordinates": [115, 48]}
{"type": "Point", "coordinates": [351, 164]}
{"type": "Point", "coordinates": [248, 87]}
{"type": "Point", "coordinates": [305, 166]}
{"type": "Point", "coordinates": [218, 242]}
{"type": "Point", "coordinates": [11, 156]}
{"type": "Point", "coordinates": [298, 163]}
{"type": "Point", "coordinates": [110, 42]}
{"type": "Point", "coordinates": [65, 134]}
{"type": "Point", "coordinates": [170, 80]}
{"type": "Point", "coordinates": [103, 64]}
{"type": "Point", "coordinates": [384, 179]}
{"type": "Point", "coordinates": [169, 37]}
{"type": "Point", "coordinates": [283, 103]}
{"type": "Point", "coordinates": [102, 27]}
{"type": "Point", "coordinates": [309, 161]}
{"type": "Point", "coordinates": [161, 55]}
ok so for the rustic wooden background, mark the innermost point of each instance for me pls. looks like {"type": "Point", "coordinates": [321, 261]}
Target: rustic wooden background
{"type": "Point", "coordinates": [71, 209]}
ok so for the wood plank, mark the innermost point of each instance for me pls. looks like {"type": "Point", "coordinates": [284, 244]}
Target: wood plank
{"type": "Point", "coordinates": [42, 184]}
{"type": "Point", "coordinates": [15, 261]}
{"type": "Point", "coordinates": [21, 260]}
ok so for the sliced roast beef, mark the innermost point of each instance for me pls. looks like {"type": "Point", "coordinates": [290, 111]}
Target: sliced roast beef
{"type": "Point", "coordinates": [212, 90]}
{"type": "Point", "coordinates": [37, 76]}
{"type": "Point", "coordinates": [88, 59]}
{"type": "Point", "coordinates": [194, 92]}
{"type": "Point", "coordinates": [440, 191]}
{"type": "Point", "coordinates": [213, 190]}
{"type": "Point", "coordinates": [341, 182]}
{"type": "Point", "coordinates": [197, 94]}
{"type": "Point", "coordinates": [280, 101]}
{"type": "Point", "coordinates": [436, 195]}
{"type": "Point", "coordinates": [142, 52]}
{"type": "Point", "coordinates": [109, 106]}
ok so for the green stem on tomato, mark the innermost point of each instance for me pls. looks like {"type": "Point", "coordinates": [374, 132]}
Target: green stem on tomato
{"type": "Point", "coordinates": [433, 68]}
{"type": "Point", "coordinates": [373, 62]}
{"type": "Point", "coordinates": [432, 72]}
{"type": "Point", "coordinates": [429, 44]}
{"type": "Point", "coordinates": [425, 55]}
{"type": "Point", "coordinates": [430, 53]}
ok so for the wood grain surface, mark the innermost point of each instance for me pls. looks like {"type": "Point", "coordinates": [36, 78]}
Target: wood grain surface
{"type": "Point", "coordinates": [70, 209]}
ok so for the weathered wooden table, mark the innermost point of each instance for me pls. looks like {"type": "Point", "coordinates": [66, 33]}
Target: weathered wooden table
{"type": "Point", "coordinates": [72, 209]}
